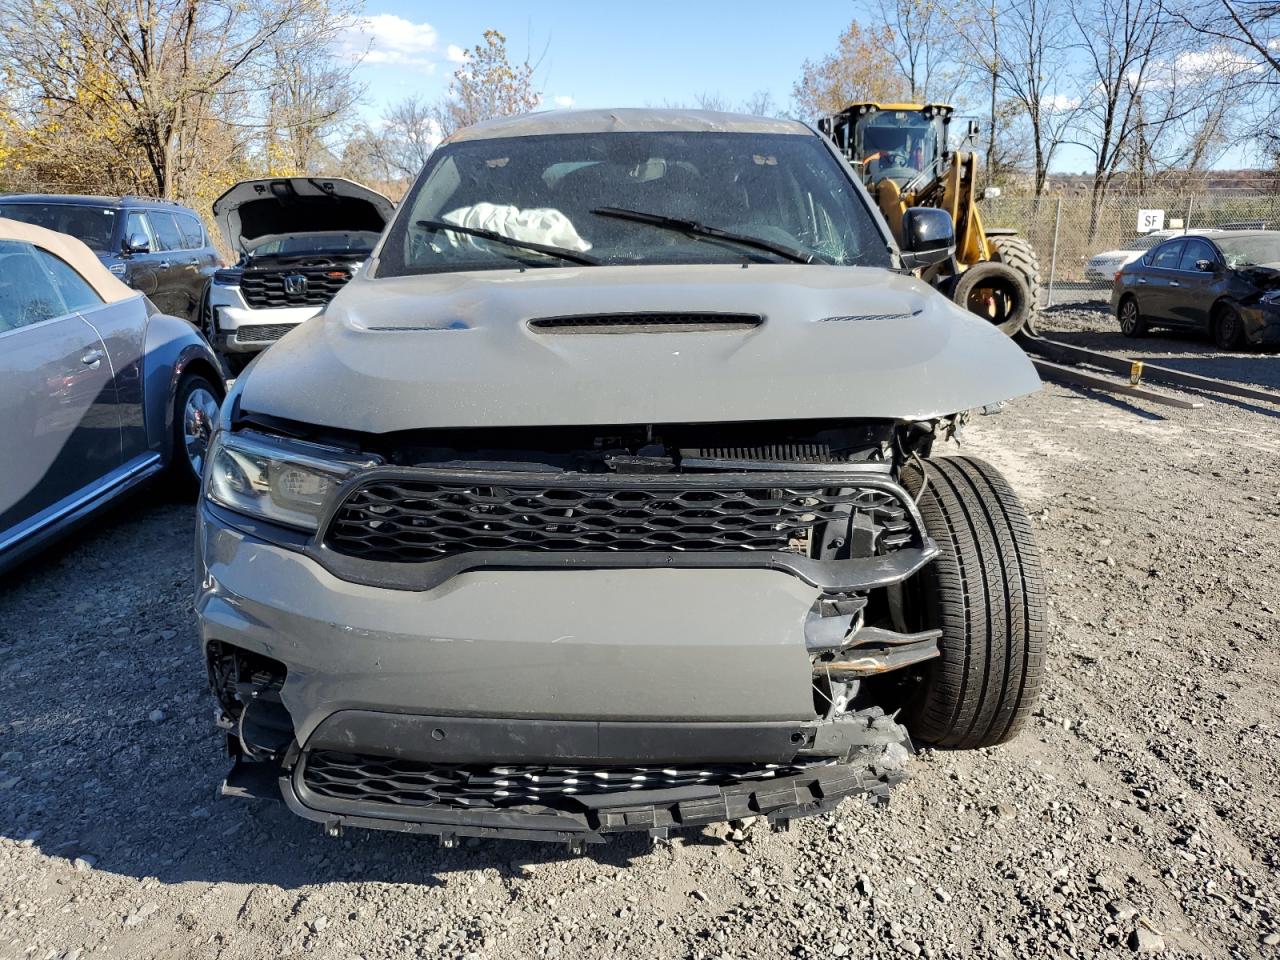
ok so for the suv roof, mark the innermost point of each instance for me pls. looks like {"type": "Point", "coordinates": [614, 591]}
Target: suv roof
{"type": "Point", "coordinates": [626, 120]}
{"type": "Point", "coordinates": [128, 200]}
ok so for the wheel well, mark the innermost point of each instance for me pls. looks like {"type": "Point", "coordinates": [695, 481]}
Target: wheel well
{"type": "Point", "coordinates": [1125, 298]}
{"type": "Point", "coordinates": [211, 374]}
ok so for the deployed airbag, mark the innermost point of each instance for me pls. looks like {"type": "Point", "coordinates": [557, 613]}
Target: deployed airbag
{"type": "Point", "coordinates": [539, 225]}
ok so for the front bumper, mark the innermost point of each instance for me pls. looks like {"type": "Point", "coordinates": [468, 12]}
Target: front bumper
{"type": "Point", "coordinates": [586, 667]}
{"type": "Point", "coordinates": [1262, 325]}
{"type": "Point", "coordinates": [240, 328]}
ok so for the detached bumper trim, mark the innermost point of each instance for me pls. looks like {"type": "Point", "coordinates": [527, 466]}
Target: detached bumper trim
{"type": "Point", "coordinates": [781, 800]}
{"type": "Point", "coordinates": [466, 740]}
{"type": "Point", "coordinates": [836, 576]}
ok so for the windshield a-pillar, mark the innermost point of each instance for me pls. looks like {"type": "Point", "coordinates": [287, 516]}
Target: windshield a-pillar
{"type": "Point", "coordinates": [897, 146]}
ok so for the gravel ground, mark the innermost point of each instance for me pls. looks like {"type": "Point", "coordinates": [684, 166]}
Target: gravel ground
{"type": "Point", "coordinates": [1137, 813]}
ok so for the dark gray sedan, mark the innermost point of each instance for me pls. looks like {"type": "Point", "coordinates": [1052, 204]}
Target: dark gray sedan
{"type": "Point", "coordinates": [1226, 286]}
{"type": "Point", "coordinates": [98, 390]}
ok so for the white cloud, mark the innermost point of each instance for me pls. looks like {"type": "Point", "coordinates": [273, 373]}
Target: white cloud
{"type": "Point", "coordinates": [1059, 103]}
{"type": "Point", "coordinates": [455, 54]}
{"type": "Point", "coordinates": [564, 101]}
{"type": "Point", "coordinates": [385, 38]}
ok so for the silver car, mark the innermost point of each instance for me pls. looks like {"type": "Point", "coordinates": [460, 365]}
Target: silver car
{"type": "Point", "coordinates": [602, 499]}
{"type": "Point", "coordinates": [98, 391]}
{"type": "Point", "coordinates": [298, 240]}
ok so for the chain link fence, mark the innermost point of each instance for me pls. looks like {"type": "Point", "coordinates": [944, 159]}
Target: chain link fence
{"type": "Point", "coordinates": [1080, 251]}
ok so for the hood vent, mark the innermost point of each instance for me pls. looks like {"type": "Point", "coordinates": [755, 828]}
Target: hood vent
{"type": "Point", "coordinates": [646, 323]}
{"type": "Point", "coordinates": [871, 316]}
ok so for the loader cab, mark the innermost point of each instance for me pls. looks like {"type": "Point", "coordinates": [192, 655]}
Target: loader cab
{"type": "Point", "coordinates": [902, 142]}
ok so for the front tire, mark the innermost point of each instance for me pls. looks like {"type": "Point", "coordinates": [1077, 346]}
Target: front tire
{"type": "Point", "coordinates": [985, 590]}
{"type": "Point", "coordinates": [1228, 328]}
{"type": "Point", "coordinates": [195, 414]}
{"type": "Point", "coordinates": [1131, 322]}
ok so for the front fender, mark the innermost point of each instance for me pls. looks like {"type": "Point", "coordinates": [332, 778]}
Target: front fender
{"type": "Point", "coordinates": [172, 346]}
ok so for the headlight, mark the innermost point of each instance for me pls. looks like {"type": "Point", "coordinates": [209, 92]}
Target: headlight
{"type": "Point", "coordinates": [1271, 296]}
{"type": "Point", "coordinates": [285, 482]}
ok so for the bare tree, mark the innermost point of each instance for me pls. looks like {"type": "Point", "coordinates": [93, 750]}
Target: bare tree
{"type": "Point", "coordinates": [1116, 40]}
{"type": "Point", "coordinates": [1246, 35]}
{"type": "Point", "coordinates": [148, 72]}
{"type": "Point", "coordinates": [1032, 76]}
{"type": "Point", "coordinates": [920, 43]}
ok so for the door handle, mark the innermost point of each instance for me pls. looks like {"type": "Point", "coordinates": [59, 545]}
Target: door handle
{"type": "Point", "coordinates": [164, 264]}
{"type": "Point", "coordinates": [1142, 279]}
{"type": "Point", "coordinates": [192, 262]}
{"type": "Point", "coordinates": [92, 358]}
{"type": "Point", "coordinates": [1174, 283]}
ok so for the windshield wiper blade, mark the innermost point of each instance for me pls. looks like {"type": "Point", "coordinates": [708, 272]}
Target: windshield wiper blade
{"type": "Point", "coordinates": [572, 256]}
{"type": "Point", "coordinates": [695, 229]}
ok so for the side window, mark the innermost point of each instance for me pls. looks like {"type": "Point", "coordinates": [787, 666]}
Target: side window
{"type": "Point", "coordinates": [1195, 250]}
{"type": "Point", "coordinates": [27, 293]}
{"type": "Point", "coordinates": [137, 225]}
{"type": "Point", "coordinates": [166, 231]}
{"type": "Point", "coordinates": [1167, 255]}
{"type": "Point", "coordinates": [192, 232]}
{"type": "Point", "coordinates": [76, 292]}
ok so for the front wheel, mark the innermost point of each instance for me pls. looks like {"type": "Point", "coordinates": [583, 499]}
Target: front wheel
{"type": "Point", "coordinates": [985, 591]}
{"type": "Point", "coordinates": [195, 414]}
{"type": "Point", "coordinates": [1228, 328]}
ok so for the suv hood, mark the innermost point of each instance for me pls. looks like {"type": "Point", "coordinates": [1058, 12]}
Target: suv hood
{"type": "Point", "coordinates": [254, 210]}
{"type": "Point", "coordinates": [457, 350]}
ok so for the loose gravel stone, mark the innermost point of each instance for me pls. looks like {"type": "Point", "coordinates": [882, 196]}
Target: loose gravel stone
{"type": "Point", "coordinates": [1146, 783]}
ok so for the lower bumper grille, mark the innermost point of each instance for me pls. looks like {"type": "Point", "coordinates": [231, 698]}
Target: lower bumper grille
{"type": "Point", "coordinates": [263, 332]}
{"type": "Point", "coordinates": [348, 777]}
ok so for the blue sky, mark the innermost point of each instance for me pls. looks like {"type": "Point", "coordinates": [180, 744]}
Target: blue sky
{"type": "Point", "coordinates": [610, 54]}
{"type": "Point", "coordinates": [607, 54]}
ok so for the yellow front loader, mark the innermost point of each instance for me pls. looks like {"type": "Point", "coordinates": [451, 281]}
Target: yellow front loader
{"type": "Point", "coordinates": [902, 151]}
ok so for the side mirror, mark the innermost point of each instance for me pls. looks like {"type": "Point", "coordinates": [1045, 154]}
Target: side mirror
{"type": "Point", "coordinates": [137, 243]}
{"type": "Point", "coordinates": [1204, 266]}
{"type": "Point", "coordinates": [928, 237]}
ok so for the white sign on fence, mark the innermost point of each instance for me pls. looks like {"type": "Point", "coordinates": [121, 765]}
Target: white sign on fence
{"type": "Point", "coordinates": [1149, 220]}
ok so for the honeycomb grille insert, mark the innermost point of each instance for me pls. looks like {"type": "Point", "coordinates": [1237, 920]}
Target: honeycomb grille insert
{"type": "Point", "coordinates": [418, 520]}
{"type": "Point", "coordinates": [341, 776]}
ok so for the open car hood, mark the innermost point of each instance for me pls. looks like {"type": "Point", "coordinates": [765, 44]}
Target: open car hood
{"type": "Point", "coordinates": [468, 350]}
{"type": "Point", "coordinates": [255, 209]}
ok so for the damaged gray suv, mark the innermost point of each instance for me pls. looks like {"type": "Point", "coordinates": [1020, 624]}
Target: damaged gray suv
{"type": "Point", "coordinates": [602, 499]}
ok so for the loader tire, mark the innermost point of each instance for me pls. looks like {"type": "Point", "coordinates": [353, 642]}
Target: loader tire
{"type": "Point", "coordinates": [996, 292]}
{"type": "Point", "coordinates": [1017, 252]}
{"type": "Point", "coordinates": [985, 590]}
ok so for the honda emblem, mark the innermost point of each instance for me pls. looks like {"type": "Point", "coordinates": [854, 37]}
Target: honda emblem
{"type": "Point", "coordinates": [295, 284]}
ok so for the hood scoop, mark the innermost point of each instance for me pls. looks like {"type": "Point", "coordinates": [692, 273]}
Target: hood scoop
{"type": "Point", "coordinates": [646, 323]}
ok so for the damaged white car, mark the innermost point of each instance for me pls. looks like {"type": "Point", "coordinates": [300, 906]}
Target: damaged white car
{"type": "Point", "coordinates": [298, 240]}
{"type": "Point", "coordinates": [603, 499]}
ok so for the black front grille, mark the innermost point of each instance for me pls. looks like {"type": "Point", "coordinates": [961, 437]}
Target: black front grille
{"type": "Point", "coordinates": [342, 776]}
{"type": "Point", "coordinates": [263, 332]}
{"type": "Point", "coordinates": [408, 520]}
{"type": "Point", "coordinates": [293, 286]}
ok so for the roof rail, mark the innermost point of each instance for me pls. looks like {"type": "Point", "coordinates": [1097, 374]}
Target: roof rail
{"type": "Point", "coordinates": [137, 196]}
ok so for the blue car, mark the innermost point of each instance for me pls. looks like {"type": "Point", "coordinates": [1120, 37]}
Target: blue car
{"type": "Point", "coordinates": [98, 389]}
